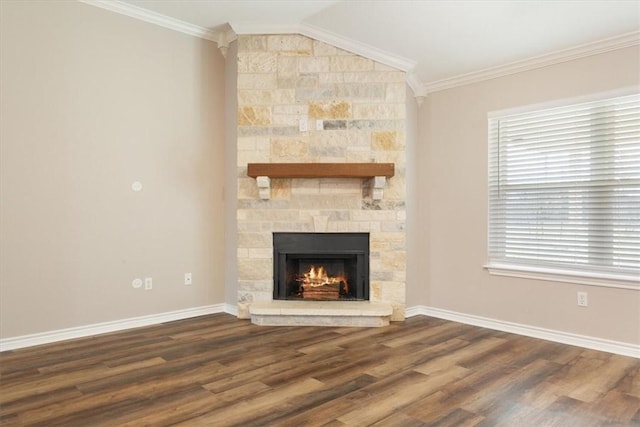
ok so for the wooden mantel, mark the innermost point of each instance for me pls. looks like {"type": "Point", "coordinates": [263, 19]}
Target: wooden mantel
{"type": "Point", "coordinates": [320, 170]}
{"type": "Point", "coordinates": [263, 172]}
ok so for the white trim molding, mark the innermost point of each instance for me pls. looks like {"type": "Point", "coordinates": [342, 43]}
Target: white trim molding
{"type": "Point", "coordinates": [420, 88]}
{"type": "Point", "coordinates": [594, 343]}
{"type": "Point", "coordinates": [102, 328]}
{"type": "Point", "coordinates": [557, 57]}
{"type": "Point", "coordinates": [555, 275]}
{"type": "Point", "coordinates": [151, 17]}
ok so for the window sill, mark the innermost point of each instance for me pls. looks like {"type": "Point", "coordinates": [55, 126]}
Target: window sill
{"type": "Point", "coordinates": [567, 276]}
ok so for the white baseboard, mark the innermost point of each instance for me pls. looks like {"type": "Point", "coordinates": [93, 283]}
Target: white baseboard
{"type": "Point", "coordinates": [622, 348]}
{"type": "Point", "coordinates": [625, 349]}
{"type": "Point", "coordinates": [101, 328]}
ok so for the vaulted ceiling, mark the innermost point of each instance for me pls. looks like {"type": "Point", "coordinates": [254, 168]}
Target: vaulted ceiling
{"type": "Point", "coordinates": [441, 43]}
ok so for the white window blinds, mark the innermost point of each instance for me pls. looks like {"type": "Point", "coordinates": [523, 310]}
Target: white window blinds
{"type": "Point", "coordinates": [564, 189]}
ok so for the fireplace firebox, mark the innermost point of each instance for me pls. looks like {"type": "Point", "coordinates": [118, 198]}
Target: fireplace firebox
{"type": "Point", "coordinates": [321, 266]}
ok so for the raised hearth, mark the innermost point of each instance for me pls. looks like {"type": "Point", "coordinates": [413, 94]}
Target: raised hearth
{"type": "Point", "coordinates": [321, 313]}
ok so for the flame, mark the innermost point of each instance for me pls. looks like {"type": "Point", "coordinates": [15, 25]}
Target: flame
{"type": "Point", "coordinates": [317, 277]}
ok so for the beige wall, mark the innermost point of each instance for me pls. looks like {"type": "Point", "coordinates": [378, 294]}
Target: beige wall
{"type": "Point", "coordinates": [453, 135]}
{"type": "Point", "coordinates": [92, 101]}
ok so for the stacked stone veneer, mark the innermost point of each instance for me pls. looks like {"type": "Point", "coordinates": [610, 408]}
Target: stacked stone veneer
{"type": "Point", "coordinates": [282, 79]}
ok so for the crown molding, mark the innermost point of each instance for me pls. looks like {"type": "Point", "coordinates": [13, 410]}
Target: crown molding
{"type": "Point", "coordinates": [154, 18]}
{"type": "Point", "coordinates": [557, 57]}
{"type": "Point", "coordinates": [362, 49]}
{"type": "Point", "coordinates": [316, 33]}
{"type": "Point", "coordinates": [420, 89]}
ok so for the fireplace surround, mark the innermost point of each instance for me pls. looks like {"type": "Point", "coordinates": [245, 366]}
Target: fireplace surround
{"type": "Point", "coordinates": [321, 266]}
{"type": "Point", "coordinates": [356, 112]}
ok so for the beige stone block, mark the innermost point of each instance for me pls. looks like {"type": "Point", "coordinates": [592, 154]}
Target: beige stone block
{"type": "Point", "coordinates": [280, 189]}
{"type": "Point", "coordinates": [375, 291]}
{"type": "Point", "coordinates": [254, 116]}
{"type": "Point", "coordinates": [243, 310]}
{"type": "Point", "coordinates": [350, 63]}
{"type": "Point", "coordinates": [379, 111]}
{"type": "Point", "coordinates": [251, 156]}
{"type": "Point", "coordinates": [345, 186]}
{"type": "Point", "coordinates": [261, 253]}
{"type": "Point", "coordinates": [393, 260]}
{"type": "Point", "coordinates": [294, 109]}
{"type": "Point", "coordinates": [284, 120]}
{"type": "Point", "coordinates": [273, 215]}
{"type": "Point", "coordinates": [257, 81]}
{"type": "Point", "coordinates": [254, 268]}
{"type": "Point", "coordinates": [306, 81]}
{"type": "Point", "coordinates": [247, 188]}
{"type": "Point", "coordinates": [378, 244]}
{"type": "Point", "coordinates": [395, 92]}
{"type": "Point", "coordinates": [255, 240]}
{"type": "Point", "coordinates": [266, 97]}
{"type": "Point", "coordinates": [396, 188]}
{"type": "Point", "coordinates": [367, 91]}
{"type": "Point", "coordinates": [328, 79]}
{"type": "Point", "coordinates": [375, 226]}
{"type": "Point", "coordinates": [384, 141]}
{"type": "Point", "coordinates": [292, 44]}
{"type": "Point", "coordinates": [400, 276]}
{"type": "Point", "coordinates": [249, 227]}
{"type": "Point", "coordinates": [313, 64]}
{"type": "Point", "coordinates": [382, 67]}
{"type": "Point", "coordinates": [289, 149]}
{"type": "Point", "coordinates": [394, 292]}
{"type": "Point", "coordinates": [347, 227]}
{"type": "Point", "coordinates": [251, 43]}
{"type": "Point", "coordinates": [330, 138]}
{"type": "Point", "coordinates": [325, 202]}
{"type": "Point", "coordinates": [373, 215]}
{"type": "Point", "coordinates": [257, 62]}
{"type": "Point", "coordinates": [323, 49]}
{"type": "Point", "coordinates": [242, 252]}
{"type": "Point", "coordinates": [287, 66]}
{"type": "Point", "coordinates": [329, 110]}
{"type": "Point", "coordinates": [398, 314]}
{"type": "Point", "coordinates": [305, 186]}
{"type": "Point", "coordinates": [246, 143]}
{"type": "Point", "coordinates": [375, 76]}
{"type": "Point", "coordinates": [250, 286]}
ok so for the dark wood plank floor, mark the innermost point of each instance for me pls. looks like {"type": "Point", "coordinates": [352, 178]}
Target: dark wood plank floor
{"type": "Point", "coordinates": [219, 371]}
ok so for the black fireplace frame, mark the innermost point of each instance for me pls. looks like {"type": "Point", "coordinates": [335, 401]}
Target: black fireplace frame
{"type": "Point", "coordinates": [321, 245]}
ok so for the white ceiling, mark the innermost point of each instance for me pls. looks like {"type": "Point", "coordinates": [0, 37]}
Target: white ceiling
{"type": "Point", "coordinates": [436, 40]}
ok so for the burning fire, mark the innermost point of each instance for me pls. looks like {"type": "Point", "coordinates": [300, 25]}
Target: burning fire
{"type": "Point", "coordinates": [317, 277]}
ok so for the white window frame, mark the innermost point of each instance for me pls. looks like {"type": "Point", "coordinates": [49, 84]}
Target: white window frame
{"type": "Point", "coordinates": [552, 272]}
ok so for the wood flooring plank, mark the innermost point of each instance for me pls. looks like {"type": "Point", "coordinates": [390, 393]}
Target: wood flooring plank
{"type": "Point", "coordinates": [221, 371]}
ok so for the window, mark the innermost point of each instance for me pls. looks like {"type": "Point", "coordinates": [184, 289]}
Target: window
{"type": "Point", "coordinates": [564, 191]}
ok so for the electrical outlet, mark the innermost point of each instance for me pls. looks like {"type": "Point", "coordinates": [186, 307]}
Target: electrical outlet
{"type": "Point", "coordinates": [304, 124]}
{"type": "Point", "coordinates": [137, 283]}
{"type": "Point", "coordinates": [148, 283]}
{"type": "Point", "coordinates": [319, 124]}
{"type": "Point", "coordinates": [187, 278]}
{"type": "Point", "coordinates": [582, 299]}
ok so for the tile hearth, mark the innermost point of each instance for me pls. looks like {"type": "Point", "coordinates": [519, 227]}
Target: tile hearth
{"type": "Point", "coordinates": [321, 313]}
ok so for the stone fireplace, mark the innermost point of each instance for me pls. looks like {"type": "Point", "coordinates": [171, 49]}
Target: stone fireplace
{"type": "Point", "coordinates": [301, 101]}
{"type": "Point", "coordinates": [321, 266]}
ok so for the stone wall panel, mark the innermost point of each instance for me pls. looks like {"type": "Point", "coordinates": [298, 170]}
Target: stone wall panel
{"type": "Point", "coordinates": [283, 79]}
